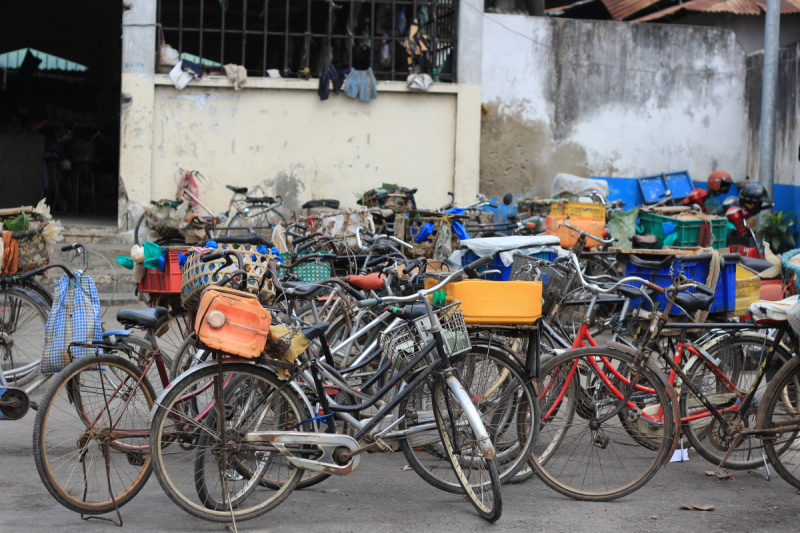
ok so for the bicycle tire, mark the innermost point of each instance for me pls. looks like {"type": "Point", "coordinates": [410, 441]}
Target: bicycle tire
{"type": "Point", "coordinates": [781, 407]}
{"type": "Point", "coordinates": [738, 365]}
{"type": "Point", "coordinates": [68, 386]}
{"type": "Point", "coordinates": [578, 482]}
{"type": "Point", "coordinates": [162, 445]}
{"type": "Point", "coordinates": [484, 493]}
{"type": "Point", "coordinates": [22, 348]}
{"type": "Point", "coordinates": [238, 222]}
{"type": "Point", "coordinates": [511, 401]}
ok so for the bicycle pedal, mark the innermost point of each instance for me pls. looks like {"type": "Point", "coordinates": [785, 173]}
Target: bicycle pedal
{"type": "Point", "coordinates": [723, 474]}
{"type": "Point", "coordinates": [34, 406]}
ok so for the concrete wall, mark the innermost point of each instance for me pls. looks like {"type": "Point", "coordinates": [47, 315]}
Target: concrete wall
{"type": "Point", "coordinates": [278, 138]}
{"type": "Point", "coordinates": [787, 126]}
{"type": "Point", "coordinates": [608, 99]}
{"type": "Point", "coordinates": [284, 140]}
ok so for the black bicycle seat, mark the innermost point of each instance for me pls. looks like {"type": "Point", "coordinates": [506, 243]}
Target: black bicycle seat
{"type": "Point", "coordinates": [629, 292]}
{"type": "Point", "coordinates": [141, 318]}
{"type": "Point", "coordinates": [303, 287]}
{"type": "Point", "coordinates": [312, 332]}
{"type": "Point", "coordinates": [237, 190]}
{"type": "Point", "coordinates": [331, 204]}
{"type": "Point", "coordinates": [690, 302]}
{"type": "Point", "coordinates": [260, 199]}
{"type": "Point", "coordinates": [753, 263]}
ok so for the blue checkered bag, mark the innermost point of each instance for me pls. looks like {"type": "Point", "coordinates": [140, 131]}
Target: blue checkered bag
{"type": "Point", "coordinates": [74, 317]}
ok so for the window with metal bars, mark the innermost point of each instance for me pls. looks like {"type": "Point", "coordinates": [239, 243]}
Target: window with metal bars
{"type": "Point", "coordinates": [299, 37]}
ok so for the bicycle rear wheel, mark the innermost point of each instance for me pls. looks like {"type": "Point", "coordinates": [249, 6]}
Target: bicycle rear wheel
{"type": "Point", "coordinates": [781, 410]}
{"type": "Point", "coordinates": [76, 452]}
{"type": "Point", "coordinates": [477, 475]}
{"type": "Point", "coordinates": [210, 477]}
{"type": "Point", "coordinates": [603, 461]}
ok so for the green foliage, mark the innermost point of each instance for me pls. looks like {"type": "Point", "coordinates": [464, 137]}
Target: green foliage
{"type": "Point", "coordinates": [777, 230]}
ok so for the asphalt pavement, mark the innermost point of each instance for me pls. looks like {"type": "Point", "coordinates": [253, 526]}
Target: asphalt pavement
{"type": "Point", "coordinates": [381, 496]}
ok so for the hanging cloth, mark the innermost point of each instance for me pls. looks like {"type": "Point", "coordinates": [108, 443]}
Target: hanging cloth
{"type": "Point", "coordinates": [330, 76]}
{"type": "Point", "coordinates": [10, 253]}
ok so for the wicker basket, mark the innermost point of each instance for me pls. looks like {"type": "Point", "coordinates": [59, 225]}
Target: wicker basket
{"type": "Point", "coordinates": [398, 199]}
{"type": "Point", "coordinates": [438, 244]}
{"type": "Point", "coordinates": [33, 250]}
{"type": "Point", "coordinates": [196, 276]}
{"type": "Point", "coordinates": [342, 225]}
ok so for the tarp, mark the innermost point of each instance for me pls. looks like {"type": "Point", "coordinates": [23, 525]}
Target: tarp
{"type": "Point", "coordinates": [578, 186]}
{"type": "Point", "coordinates": [508, 246]}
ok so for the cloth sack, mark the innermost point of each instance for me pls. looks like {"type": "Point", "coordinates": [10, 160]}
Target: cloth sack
{"type": "Point", "coordinates": [237, 74]}
{"type": "Point", "coordinates": [285, 344]}
{"type": "Point", "coordinates": [74, 317]}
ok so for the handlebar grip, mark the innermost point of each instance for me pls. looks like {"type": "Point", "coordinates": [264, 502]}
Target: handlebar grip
{"type": "Point", "coordinates": [69, 247]}
{"type": "Point", "coordinates": [376, 261]}
{"type": "Point", "coordinates": [370, 302]}
{"type": "Point", "coordinates": [411, 266]}
{"type": "Point", "coordinates": [472, 267]}
{"type": "Point", "coordinates": [300, 226]}
{"type": "Point", "coordinates": [300, 239]}
{"type": "Point", "coordinates": [211, 257]}
{"type": "Point", "coordinates": [305, 246]}
{"type": "Point", "coordinates": [705, 289]}
{"type": "Point", "coordinates": [656, 288]}
{"type": "Point", "coordinates": [293, 235]}
{"type": "Point", "coordinates": [492, 206]}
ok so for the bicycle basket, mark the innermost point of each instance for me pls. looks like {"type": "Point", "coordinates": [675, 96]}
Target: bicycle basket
{"type": "Point", "coordinates": [403, 343]}
{"type": "Point", "coordinates": [557, 282]}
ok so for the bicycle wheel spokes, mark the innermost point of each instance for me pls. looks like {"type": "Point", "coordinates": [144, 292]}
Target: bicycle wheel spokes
{"type": "Point", "coordinates": [588, 460]}
{"type": "Point", "coordinates": [782, 411]}
{"type": "Point", "coordinates": [77, 450]}
{"type": "Point", "coordinates": [210, 476]}
{"type": "Point", "coordinates": [22, 321]}
{"type": "Point", "coordinates": [477, 475]}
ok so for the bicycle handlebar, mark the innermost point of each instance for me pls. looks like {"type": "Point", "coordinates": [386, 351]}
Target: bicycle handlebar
{"type": "Point", "coordinates": [469, 270]}
{"type": "Point", "coordinates": [599, 239]}
{"type": "Point", "coordinates": [227, 254]}
{"type": "Point", "coordinates": [82, 248]}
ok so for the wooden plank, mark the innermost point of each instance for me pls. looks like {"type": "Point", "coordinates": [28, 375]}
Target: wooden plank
{"type": "Point", "coordinates": [15, 210]}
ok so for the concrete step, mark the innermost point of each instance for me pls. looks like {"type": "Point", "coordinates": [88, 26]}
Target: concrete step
{"type": "Point", "coordinates": [120, 300]}
{"type": "Point", "coordinates": [89, 234]}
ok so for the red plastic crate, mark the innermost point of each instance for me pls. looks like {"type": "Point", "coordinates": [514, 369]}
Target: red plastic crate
{"type": "Point", "coordinates": [167, 282]}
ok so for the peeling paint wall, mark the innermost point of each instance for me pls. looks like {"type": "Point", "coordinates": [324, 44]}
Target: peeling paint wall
{"type": "Point", "coordinates": [608, 99]}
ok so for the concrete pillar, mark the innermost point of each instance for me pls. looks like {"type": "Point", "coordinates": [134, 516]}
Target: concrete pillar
{"type": "Point", "coordinates": [466, 179]}
{"type": "Point", "coordinates": [137, 93]}
{"type": "Point", "coordinates": [470, 41]}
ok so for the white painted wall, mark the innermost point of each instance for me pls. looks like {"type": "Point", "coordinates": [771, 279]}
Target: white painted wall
{"type": "Point", "coordinates": [608, 99]}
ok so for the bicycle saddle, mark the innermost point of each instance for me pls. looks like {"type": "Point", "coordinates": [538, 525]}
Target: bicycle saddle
{"type": "Point", "coordinates": [260, 199]}
{"type": "Point", "coordinates": [370, 282]}
{"type": "Point", "coordinates": [331, 204]}
{"type": "Point", "coordinates": [690, 302]}
{"type": "Point", "coordinates": [312, 332]}
{"type": "Point", "coordinates": [632, 292]}
{"type": "Point", "coordinates": [753, 263]}
{"type": "Point", "coordinates": [303, 287]}
{"type": "Point", "coordinates": [141, 318]}
{"type": "Point", "coordinates": [237, 190]}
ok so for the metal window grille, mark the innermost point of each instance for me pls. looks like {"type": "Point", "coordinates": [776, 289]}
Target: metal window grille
{"type": "Point", "coordinates": [299, 37]}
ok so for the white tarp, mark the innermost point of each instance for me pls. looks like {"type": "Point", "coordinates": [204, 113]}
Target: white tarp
{"type": "Point", "coordinates": [508, 246]}
{"type": "Point", "coordinates": [578, 186]}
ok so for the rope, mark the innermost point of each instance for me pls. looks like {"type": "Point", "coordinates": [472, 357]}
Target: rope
{"type": "Point", "coordinates": [713, 277]}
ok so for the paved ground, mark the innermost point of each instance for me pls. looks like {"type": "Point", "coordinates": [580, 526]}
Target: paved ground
{"type": "Point", "coordinates": [380, 496]}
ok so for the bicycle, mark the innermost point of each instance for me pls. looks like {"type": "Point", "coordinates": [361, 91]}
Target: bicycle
{"type": "Point", "coordinates": [244, 451]}
{"type": "Point", "coordinates": [640, 398]}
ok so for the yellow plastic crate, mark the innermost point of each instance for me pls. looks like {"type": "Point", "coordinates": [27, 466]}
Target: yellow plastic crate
{"type": "Point", "coordinates": [496, 302]}
{"type": "Point", "coordinates": [579, 209]}
{"type": "Point", "coordinates": [748, 289]}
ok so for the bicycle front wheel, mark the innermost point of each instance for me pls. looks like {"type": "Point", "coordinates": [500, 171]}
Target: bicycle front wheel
{"type": "Point", "coordinates": [596, 459]}
{"type": "Point", "coordinates": [477, 475]}
{"type": "Point", "coordinates": [210, 475]}
{"type": "Point", "coordinates": [781, 412]}
{"type": "Point", "coordinates": [23, 315]}
{"type": "Point", "coordinates": [88, 463]}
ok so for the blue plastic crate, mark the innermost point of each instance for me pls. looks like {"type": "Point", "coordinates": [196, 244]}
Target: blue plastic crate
{"type": "Point", "coordinates": [497, 264]}
{"type": "Point", "coordinates": [693, 269]}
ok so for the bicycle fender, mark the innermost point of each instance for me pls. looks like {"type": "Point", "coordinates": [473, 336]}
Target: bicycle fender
{"type": "Point", "coordinates": [676, 411]}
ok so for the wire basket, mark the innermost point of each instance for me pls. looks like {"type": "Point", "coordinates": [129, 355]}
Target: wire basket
{"type": "Point", "coordinates": [557, 282]}
{"type": "Point", "coordinates": [526, 268]}
{"type": "Point", "coordinates": [403, 343]}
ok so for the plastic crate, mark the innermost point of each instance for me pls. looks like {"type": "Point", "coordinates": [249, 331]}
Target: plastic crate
{"type": "Point", "coordinates": [694, 268]}
{"type": "Point", "coordinates": [570, 237]}
{"type": "Point", "coordinates": [688, 230]}
{"type": "Point", "coordinates": [579, 209]}
{"type": "Point", "coordinates": [491, 302]}
{"type": "Point", "coordinates": [167, 282]}
{"type": "Point", "coordinates": [748, 290]}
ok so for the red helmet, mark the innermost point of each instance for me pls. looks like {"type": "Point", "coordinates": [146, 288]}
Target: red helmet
{"type": "Point", "coordinates": [720, 182]}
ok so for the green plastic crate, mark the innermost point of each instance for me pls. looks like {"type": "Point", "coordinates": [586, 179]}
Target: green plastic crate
{"type": "Point", "coordinates": [688, 230]}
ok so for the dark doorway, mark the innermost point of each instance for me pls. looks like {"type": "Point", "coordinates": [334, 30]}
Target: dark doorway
{"type": "Point", "coordinates": [60, 69]}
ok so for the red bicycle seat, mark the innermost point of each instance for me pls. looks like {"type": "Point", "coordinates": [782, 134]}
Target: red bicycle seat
{"type": "Point", "coordinates": [370, 282]}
